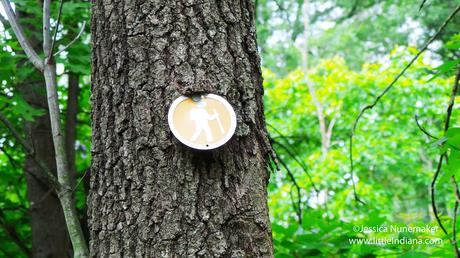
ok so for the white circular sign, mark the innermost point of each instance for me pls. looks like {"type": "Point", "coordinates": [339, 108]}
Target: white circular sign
{"type": "Point", "coordinates": [205, 122]}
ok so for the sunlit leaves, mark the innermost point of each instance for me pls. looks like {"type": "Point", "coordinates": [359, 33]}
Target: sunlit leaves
{"type": "Point", "coordinates": [454, 42]}
{"type": "Point", "coordinates": [19, 107]}
{"type": "Point", "coordinates": [449, 65]}
{"type": "Point", "coordinates": [394, 161]}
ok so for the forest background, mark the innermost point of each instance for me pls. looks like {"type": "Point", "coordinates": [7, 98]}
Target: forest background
{"type": "Point", "coordinates": [323, 62]}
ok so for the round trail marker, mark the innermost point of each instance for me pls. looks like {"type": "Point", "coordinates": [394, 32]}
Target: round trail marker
{"type": "Point", "coordinates": [204, 123]}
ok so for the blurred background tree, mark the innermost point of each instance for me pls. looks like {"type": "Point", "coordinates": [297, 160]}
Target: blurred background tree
{"type": "Point", "coordinates": [32, 217]}
{"type": "Point", "coordinates": [355, 48]}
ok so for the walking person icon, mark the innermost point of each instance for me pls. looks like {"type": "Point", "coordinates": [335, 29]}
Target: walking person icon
{"type": "Point", "coordinates": [201, 117]}
{"type": "Point", "coordinates": [202, 122]}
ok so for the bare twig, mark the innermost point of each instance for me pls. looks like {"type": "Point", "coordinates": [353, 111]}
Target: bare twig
{"type": "Point", "coordinates": [49, 175]}
{"type": "Point", "coordinates": [40, 178]}
{"type": "Point", "coordinates": [23, 41]}
{"type": "Point", "coordinates": [290, 153]}
{"type": "Point", "coordinates": [454, 222]}
{"type": "Point", "coordinates": [457, 192]}
{"type": "Point", "coordinates": [352, 174]}
{"type": "Point", "coordinates": [273, 156]}
{"type": "Point", "coordinates": [454, 231]}
{"type": "Point", "coordinates": [452, 100]}
{"type": "Point", "coordinates": [368, 107]}
{"type": "Point", "coordinates": [424, 130]}
{"type": "Point", "coordinates": [73, 41]}
{"type": "Point", "coordinates": [294, 156]}
{"type": "Point", "coordinates": [61, 3]}
{"type": "Point", "coordinates": [422, 5]}
{"type": "Point", "coordinates": [81, 179]}
{"type": "Point", "coordinates": [296, 185]}
{"type": "Point", "coordinates": [283, 11]}
{"type": "Point", "coordinates": [393, 82]}
{"type": "Point", "coordinates": [444, 155]}
{"type": "Point", "coordinates": [433, 199]}
{"type": "Point", "coordinates": [329, 129]}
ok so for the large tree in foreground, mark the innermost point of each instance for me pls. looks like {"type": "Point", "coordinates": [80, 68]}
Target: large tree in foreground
{"type": "Point", "coordinates": [150, 195]}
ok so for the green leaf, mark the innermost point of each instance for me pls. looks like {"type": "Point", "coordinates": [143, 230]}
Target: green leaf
{"type": "Point", "coordinates": [445, 67]}
{"type": "Point", "coordinates": [414, 254]}
{"type": "Point", "coordinates": [453, 166]}
{"type": "Point", "coordinates": [454, 42]}
{"type": "Point", "coordinates": [20, 107]}
{"type": "Point", "coordinates": [453, 137]}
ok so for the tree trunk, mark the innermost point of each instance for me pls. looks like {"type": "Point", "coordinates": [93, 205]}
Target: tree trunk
{"type": "Point", "coordinates": [49, 232]}
{"type": "Point", "coordinates": [150, 195]}
{"type": "Point", "coordinates": [71, 124]}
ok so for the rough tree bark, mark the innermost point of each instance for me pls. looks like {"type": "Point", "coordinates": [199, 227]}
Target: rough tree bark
{"type": "Point", "coordinates": [150, 195]}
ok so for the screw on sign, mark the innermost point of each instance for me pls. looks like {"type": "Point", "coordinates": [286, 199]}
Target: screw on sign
{"type": "Point", "coordinates": [203, 123]}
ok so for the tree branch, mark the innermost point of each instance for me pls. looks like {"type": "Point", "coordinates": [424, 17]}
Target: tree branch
{"type": "Point", "coordinates": [454, 222]}
{"type": "Point", "coordinates": [290, 153]}
{"type": "Point", "coordinates": [296, 185]}
{"type": "Point", "coordinates": [444, 155]}
{"type": "Point", "coordinates": [80, 247]}
{"type": "Point", "coordinates": [423, 129]}
{"type": "Point", "coordinates": [422, 5]}
{"type": "Point", "coordinates": [23, 41]}
{"type": "Point", "coordinates": [433, 199]}
{"type": "Point", "coordinates": [329, 129]}
{"type": "Point", "coordinates": [61, 3]}
{"type": "Point", "coordinates": [12, 233]}
{"type": "Point", "coordinates": [73, 41]}
{"type": "Point", "coordinates": [454, 230]}
{"type": "Point", "coordinates": [387, 88]}
{"type": "Point", "coordinates": [29, 151]}
{"type": "Point", "coordinates": [311, 88]}
{"type": "Point", "coordinates": [452, 100]}
{"type": "Point", "coordinates": [40, 178]}
{"type": "Point", "coordinates": [81, 179]}
{"type": "Point", "coordinates": [46, 30]}
{"type": "Point", "coordinates": [352, 174]}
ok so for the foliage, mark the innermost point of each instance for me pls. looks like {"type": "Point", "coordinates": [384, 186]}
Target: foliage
{"type": "Point", "coordinates": [394, 164]}
{"type": "Point", "coordinates": [357, 31]}
{"type": "Point", "coordinates": [14, 206]}
{"type": "Point", "coordinates": [356, 48]}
